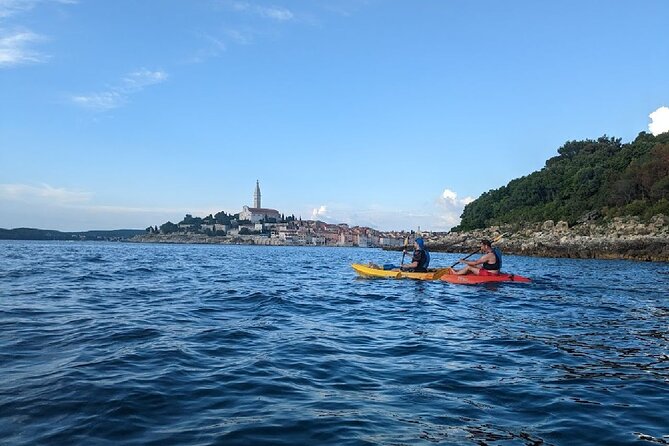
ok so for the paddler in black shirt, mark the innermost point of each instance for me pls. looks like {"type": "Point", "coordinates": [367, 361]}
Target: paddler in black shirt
{"type": "Point", "coordinates": [420, 259]}
{"type": "Point", "coordinates": [488, 264]}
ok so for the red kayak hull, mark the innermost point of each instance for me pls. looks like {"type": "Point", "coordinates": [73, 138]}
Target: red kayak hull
{"type": "Point", "coordinates": [474, 279]}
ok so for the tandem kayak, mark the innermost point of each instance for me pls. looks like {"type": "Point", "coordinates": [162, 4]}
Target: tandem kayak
{"type": "Point", "coordinates": [473, 279]}
{"type": "Point", "coordinates": [376, 272]}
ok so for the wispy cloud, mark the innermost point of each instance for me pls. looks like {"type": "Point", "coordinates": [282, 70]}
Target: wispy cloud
{"type": "Point", "coordinates": [42, 192]}
{"type": "Point", "coordinates": [240, 37]}
{"type": "Point", "coordinates": [101, 101]}
{"type": "Point", "coordinates": [16, 48]}
{"type": "Point", "coordinates": [280, 14]}
{"type": "Point", "coordinates": [276, 13]}
{"type": "Point", "coordinates": [213, 47]}
{"type": "Point", "coordinates": [117, 95]}
{"type": "Point", "coordinates": [45, 194]}
{"type": "Point", "coordinates": [659, 121]}
{"type": "Point", "coordinates": [245, 31]}
{"type": "Point", "coordinates": [9, 8]}
{"type": "Point", "coordinates": [17, 43]}
{"type": "Point", "coordinates": [137, 80]}
{"type": "Point", "coordinates": [49, 207]}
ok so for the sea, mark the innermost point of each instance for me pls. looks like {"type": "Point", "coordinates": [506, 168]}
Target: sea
{"type": "Point", "coordinates": [156, 344]}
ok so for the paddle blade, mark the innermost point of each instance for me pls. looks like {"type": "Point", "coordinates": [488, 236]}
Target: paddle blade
{"type": "Point", "coordinates": [442, 271]}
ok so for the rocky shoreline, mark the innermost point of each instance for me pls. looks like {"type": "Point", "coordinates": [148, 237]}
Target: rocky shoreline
{"type": "Point", "coordinates": [619, 238]}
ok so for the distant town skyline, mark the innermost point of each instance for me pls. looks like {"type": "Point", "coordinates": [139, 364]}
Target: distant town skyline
{"type": "Point", "coordinates": [388, 115]}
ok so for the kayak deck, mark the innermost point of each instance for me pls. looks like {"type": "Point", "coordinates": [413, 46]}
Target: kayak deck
{"type": "Point", "coordinates": [375, 272]}
{"type": "Point", "coordinates": [473, 279]}
{"type": "Point", "coordinates": [445, 274]}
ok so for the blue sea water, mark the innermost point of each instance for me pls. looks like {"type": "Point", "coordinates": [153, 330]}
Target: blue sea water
{"type": "Point", "coordinates": [115, 343]}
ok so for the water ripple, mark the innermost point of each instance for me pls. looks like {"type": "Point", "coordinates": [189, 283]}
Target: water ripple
{"type": "Point", "coordinates": [104, 343]}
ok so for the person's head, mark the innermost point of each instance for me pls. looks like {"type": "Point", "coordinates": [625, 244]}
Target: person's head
{"type": "Point", "coordinates": [486, 245]}
{"type": "Point", "coordinates": [420, 243]}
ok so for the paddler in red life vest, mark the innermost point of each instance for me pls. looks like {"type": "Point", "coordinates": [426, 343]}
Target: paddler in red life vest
{"type": "Point", "coordinates": [420, 259]}
{"type": "Point", "coordinates": [488, 264]}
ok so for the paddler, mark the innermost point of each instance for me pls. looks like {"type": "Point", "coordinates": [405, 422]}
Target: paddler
{"type": "Point", "coordinates": [420, 259]}
{"type": "Point", "coordinates": [488, 264]}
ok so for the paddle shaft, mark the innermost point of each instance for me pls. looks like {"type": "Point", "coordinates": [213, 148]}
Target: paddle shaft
{"type": "Point", "coordinates": [464, 258]}
{"type": "Point", "coordinates": [404, 252]}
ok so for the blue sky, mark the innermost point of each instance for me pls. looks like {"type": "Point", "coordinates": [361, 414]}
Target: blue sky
{"type": "Point", "coordinates": [383, 113]}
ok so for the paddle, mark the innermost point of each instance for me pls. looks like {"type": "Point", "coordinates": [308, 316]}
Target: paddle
{"type": "Point", "coordinates": [404, 252]}
{"type": "Point", "coordinates": [440, 272]}
{"type": "Point", "coordinates": [498, 238]}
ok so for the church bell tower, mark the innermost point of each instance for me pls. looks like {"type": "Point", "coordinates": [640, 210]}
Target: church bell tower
{"type": "Point", "coordinates": [256, 196]}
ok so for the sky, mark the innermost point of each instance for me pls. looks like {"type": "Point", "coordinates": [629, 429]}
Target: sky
{"type": "Point", "coordinates": [391, 114]}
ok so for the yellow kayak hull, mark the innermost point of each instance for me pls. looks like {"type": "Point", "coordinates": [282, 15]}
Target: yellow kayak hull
{"type": "Point", "coordinates": [372, 272]}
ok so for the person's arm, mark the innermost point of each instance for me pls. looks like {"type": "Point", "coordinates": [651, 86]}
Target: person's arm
{"type": "Point", "coordinates": [480, 261]}
{"type": "Point", "coordinates": [413, 264]}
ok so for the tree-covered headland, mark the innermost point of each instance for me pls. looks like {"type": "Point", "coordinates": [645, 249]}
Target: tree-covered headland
{"type": "Point", "coordinates": [207, 225]}
{"type": "Point", "coordinates": [588, 179]}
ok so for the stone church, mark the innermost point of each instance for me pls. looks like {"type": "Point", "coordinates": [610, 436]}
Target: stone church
{"type": "Point", "coordinates": [257, 213]}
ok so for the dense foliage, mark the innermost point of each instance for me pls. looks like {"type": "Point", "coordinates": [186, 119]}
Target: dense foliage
{"type": "Point", "coordinates": [599, 178]}
{"type": "Point", "coordinates": [195, 224]}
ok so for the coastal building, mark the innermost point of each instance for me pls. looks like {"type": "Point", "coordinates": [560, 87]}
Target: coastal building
{"type": "Point", "coordinates": [390, 242]}
{"type": "Point", "coordinates": [257, 213]}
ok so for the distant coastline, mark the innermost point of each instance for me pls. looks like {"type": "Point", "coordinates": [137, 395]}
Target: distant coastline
{"type": "Point", "coordinates": [625, 238]}
{"type": "Point", "coordinates": [50, 234]}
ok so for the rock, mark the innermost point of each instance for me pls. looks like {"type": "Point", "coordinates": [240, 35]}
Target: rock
{"type": "Point", "coordinates": [589, 217]}
{"type": "Point", "coordinates": [659, 222]}
{"type": "Point", "coordinates": [618, 223]}
{"type": "Point", "coordinates": [548, 225]}
{"type": "Point", "coordinates": [619, 238]}
{"type": "Point", "coordinates": [561, 227]}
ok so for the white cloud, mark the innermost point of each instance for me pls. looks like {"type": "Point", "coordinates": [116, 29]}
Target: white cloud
{"type": "Point", "coordinates": [117, 95]}
{"type": "Point", "coordinates": [659, 121]}
{"type": "Point", "coordinates": [320, 212]}
{"type": "Point", "coordinates": [449, 195]}
{"type": "Point", "coordinates": [42, 193]}
{"type": "Point", "coordinates": [279, 14]}
{"type": "Point", "coordinates": [16, 49]}
{"type": "Point", "coordinates": [142, 78]}
{"type": "Point", "coordinates": [17, 45]}
{"type": "Point", "coordinates": [102, 101]}
{"type": "Point", "coordinates": [9, 8]}
{"type": "Point", "coordinates": [213, 47]}
{"type": "Point", "coordinates": [449, 208]}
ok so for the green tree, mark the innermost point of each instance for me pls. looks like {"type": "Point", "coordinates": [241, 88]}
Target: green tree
{"type": "Point", "coordinates": [168, 228]}
{"type": "Point", "coordinates": [601, 175]}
